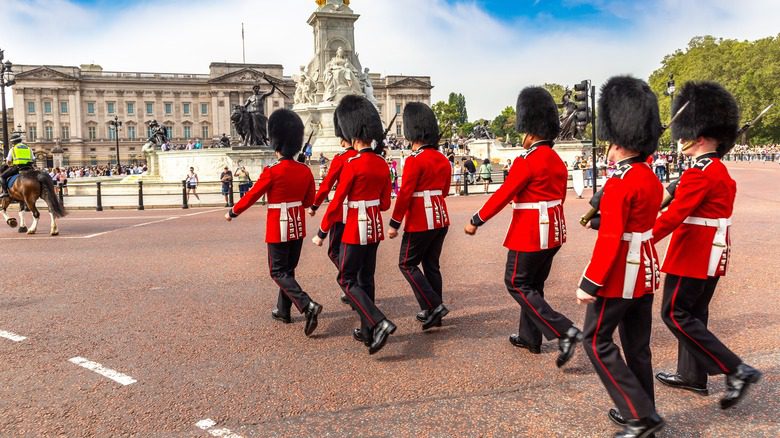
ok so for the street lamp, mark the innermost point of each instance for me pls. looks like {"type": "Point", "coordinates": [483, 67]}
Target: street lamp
{"type": "Point", "coordinates": [6, 80]}
{"type": "Point", "coordinates": [116, 124]}
{"type": "Point", "coordinates": [670, 89]}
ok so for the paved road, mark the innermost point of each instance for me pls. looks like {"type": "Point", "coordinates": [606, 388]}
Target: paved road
{"type": "Point", "coordinates": [172, 307]}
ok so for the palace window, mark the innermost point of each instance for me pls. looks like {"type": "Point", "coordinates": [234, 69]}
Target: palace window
{"type": "Point", "coordinates": [187, 131]}
{"type": "Point", "coordinates": [204, 109]}
{"type": "Point", "coordinates": [64, 107]}
{"type": "Point", "coordinates": [92, 149]}
{"type": "Point", "coordinates": [92, 132]}
{"type": "Point", "coordinates": [185, 107]}
{"type": "Point", "coordinates": [111, 107]}
{"type": "Point", "coordinates": [31, 107]}
{"type": "Point", "coordinates": [47, 107]}
{"type": "Point", "coordinates": [204, 132]}
{"type": "Point", "coordinates": [91, 108]}
{"type": "Point", "coordinates": [398, 108]}
{"type": "Point", "coordinates": [149, 107]}
{"type": "Point", "coordinates": [169, 131]}
{"type": "Point", "coordinates": [276, 104]}
{"type": "Point", "coordinates": [131, 132]}
{"type": "Point", "coordinates": [48, 132]}
{"type": "Point", "coordinates": [32, 133]}
{"type": "Point", "coordinates": [168, 108]}
{"type": "Point", "coordinates": [130, 108]}
{"type": "Point", "coordinates": [148, 132]}
{"type": "Point", "coordinates": [398, 129]}
{"type": "Point", "coordinates": [111, 132]}
{"type": "Point", "coordinates": [65, 134]}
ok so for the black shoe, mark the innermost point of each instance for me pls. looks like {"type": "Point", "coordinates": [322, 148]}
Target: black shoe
{"type": "Point", "coordinates": [357, 335]}
{"type": "Point", "coordinates": [616, 418]}
{"type": "Point", "coordinates": [423, 315]}
{"type": "Point", "coordinates": [227, 205]}
{"type": "Point", "coordinates": [279, 316]}
{"type": "Point", "coordinates": [435, 316]}
{"type": "Point", "coordinates": [567, 344]}
{"type": "Point", "coordinates": [382, 331]}
{"type": "Point", "coordinates": [643, 428]}
{"type": "Point", "coordinates": [311, 311]}
{"type": "Point", "coordinates": [676, 381]}
{"type": "Point", "coordinates": [737, 384]}
{"type": "Point", "coordinates": [4, 194]}
{"type": "Point", "coordinates": [517, 341]}
{"type": "Point", "coordinates": [344, 299]}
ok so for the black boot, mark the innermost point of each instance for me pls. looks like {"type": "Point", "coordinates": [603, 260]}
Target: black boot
{"type": "Point", "coordinates": [422, 315]}
{"type": "Point", "coordinates": [642, 428]}
{"type": "Point", "coordinates": [311, 311]}
{"type": "Point", "coordinates": [567, 344]}
{"type": "Point", "coordinates": [357, 335]}
{"type": "Point", "coordinates": [677, 381]}
{"type": "Point", "coordinates": [615, 417]}
{"type": "Point", "coordinates": [435, 316]}
{"type": "Point", "coordinates": [344, 299]}
{"type": "Point", "coordinates": [4, 194]}
{"type": "Point", "coordinates": [519, 342]}
{"type": "Point", "coordinates": [382, 331]}
{"type": "Point", "coordinates": [737, 384]}
{"type": "Point", "coordinates": [279, 316]}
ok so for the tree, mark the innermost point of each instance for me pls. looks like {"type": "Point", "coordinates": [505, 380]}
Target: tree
{"type": "Point", "coordinates": [504, 124]}
{"type": "Point", "coordinates": [750, 70]}
{"type": "Point", "coordinates": [447, 118]}
{"type": "Point", "coordinates": [556, 90]}
{"type": "Point", "coordinates": [458, 103]}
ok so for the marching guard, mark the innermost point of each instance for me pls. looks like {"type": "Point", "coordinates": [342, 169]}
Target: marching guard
{"type": "Point", "coordinates": [536, 185]}
{"type": "Point", "coordinates": [333, 176]}
{"type": "Point", "coordinates": [426, 182]}
{"type": "Point", "coordinates": [365, 184]}
{"type": "Point", "coordinates": [699, 219]}
{"type": "Point", "coordinates": [619, 282]}
{"type": "Point", "coordinates": [290, 189]}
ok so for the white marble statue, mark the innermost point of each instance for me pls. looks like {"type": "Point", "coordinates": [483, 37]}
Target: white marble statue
{"type": "Point", "coordinates": [341, 77]}
{"type": "Point", "coordinates": [368, 87]}
{"type": "Point", "coordinates": [305, 88]}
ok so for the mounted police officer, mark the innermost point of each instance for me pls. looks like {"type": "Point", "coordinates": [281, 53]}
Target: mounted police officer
{"type": "Point", "coordinates": [20, 158]}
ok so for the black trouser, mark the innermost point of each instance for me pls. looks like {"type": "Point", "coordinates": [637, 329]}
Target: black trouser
{"type": "Point", "coordinates": [630, 382]}
{"type": "Point", "coordinates": [356, 276]}
{"type": "Point", "coordinates": [524, 277]}
{"type": "Point", "coordinates": [423, 247]}
{"type": "Point", "coordinates": [11, 171]}
{"type": "Point", "coordinates": [282, 261]}
{"type": "Point", "coordinates": [334, 248]}
{"type": "Point", "coordinates": [685, 310]}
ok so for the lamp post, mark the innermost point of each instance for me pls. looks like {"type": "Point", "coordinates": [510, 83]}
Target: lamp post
{"type": "Point", "coordinates": [6, 80]}
{"type": "Point", "coordinates": [116, 124]}
{"type": "Point", "coordinates": [670, 89]}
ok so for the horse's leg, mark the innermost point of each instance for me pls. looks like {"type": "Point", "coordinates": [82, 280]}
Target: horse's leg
{"type": "Point", "coordinates": [54, 230]}
{"type": "Point", "coordinates": [36, 214]}
{"type": "Point", "coordinates": [9, 220]}
{"type": "Point", "coordinates": [22, 225]}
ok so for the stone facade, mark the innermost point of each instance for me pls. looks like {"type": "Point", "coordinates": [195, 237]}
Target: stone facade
{"type": "Point", "coordinates": [73, 106]}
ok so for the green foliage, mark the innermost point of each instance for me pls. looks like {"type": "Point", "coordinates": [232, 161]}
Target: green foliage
{"type": "Point", "coordinates": [458, 103]}
{"type": "Point", "coordinates": [556, 90]}
{"type": "Point", "coordinates": [451, 115]}
{"type": "Point", "coordinates": [748, 69]}
{"type": "Point", "coordinates": [504, 124]}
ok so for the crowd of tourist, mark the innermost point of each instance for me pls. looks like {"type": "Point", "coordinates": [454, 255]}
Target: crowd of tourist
{"type": "Point", "coordinates": [769, 152]}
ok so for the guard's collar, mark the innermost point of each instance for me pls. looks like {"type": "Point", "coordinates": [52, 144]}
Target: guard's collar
{"type": "Point", "coordinates": [541, 143]}
{"type": "Point", "coordinates": [706, 155]}
{"type": "Point", "coordinates": [366, 149]}
{"type": "Point", "coordinates": [630, 160]}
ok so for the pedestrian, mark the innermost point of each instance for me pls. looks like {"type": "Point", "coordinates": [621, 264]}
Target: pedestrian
{"type": "Point", "coordinates": [327, 184]}
{"type": "Point", "coordinates": [394, 177]}
{"type": "Point", "coordinates": [536, 185]}
{"type": "Point", "coordinates": [226, 177]}
{"type": "Point", "coordinates": [506, 168]}
{"type": "Point", "coordinates": [364, 183]}
{"type": "Point", "coordinates": [457, 177]}
{"type": "Point", "coordinates": [244, 181]}
{"type": "Point", "coordinates": [486, 174]}
{"type": "Point", "coordinates": [290, 189]}
{"type": "Point", "coordinates": [191, 181]}
{"type": "Point", "coordinates": [660, 164]}
{"type": "Point", "coordinates": [699, 219]}
{"type": "Point", "coordinates": [471, 170]}
{"type": "Point", "coordinates": [622, 275]}
{"type": "Point", "coordinates": [421, 203]}
{"type": "Point", "coordinates": [307, 151]}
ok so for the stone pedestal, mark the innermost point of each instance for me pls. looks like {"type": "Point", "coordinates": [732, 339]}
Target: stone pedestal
{"type": "Point", "coordinates": [173, 166]}
{"type": "Point", "coordinates": [319, 119]}
{"type": "Point", "coordinates": [496, 152]}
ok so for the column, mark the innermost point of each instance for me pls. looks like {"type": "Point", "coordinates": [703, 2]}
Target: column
{"type": "Point", "coordinates": [75, 115]}
{"type": "Point", "coordinates": [55, 103]}
{"type": "Point", "coordinates": [38, 114]}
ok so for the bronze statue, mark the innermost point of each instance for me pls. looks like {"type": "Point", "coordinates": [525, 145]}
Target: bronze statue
{"type": "Point", "coordinates": [250, 120]}
{"type": "Point", "coordinates": [569, 129]}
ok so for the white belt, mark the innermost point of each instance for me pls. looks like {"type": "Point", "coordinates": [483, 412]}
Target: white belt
{"type": "Point", "coordinates": [362, 217]}
{"type": "Point", "coordinates": [284, 217]}
{"type": "Point", "coordinates": [633, 260]}
{"type": "Point", "coordinates": [718, 241]}
{"type": "Point", "coordinates": [344, 210]}
{"type": "Point", "coordinates": [544, 218]}
{"type": "Point", "coordinates": [426, 195]}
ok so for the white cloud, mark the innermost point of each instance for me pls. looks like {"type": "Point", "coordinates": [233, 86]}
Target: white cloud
{"type": "Point", "coordinates": [460, 46]}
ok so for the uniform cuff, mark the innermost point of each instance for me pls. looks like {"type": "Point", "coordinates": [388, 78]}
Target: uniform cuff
{"type": "Point", "coordinates": [589, 287]}
{"type": "Point", "coordinates": [231, 213]}
{"type": "Point", "coordinates": [476, 220]}
{"type": "Point", "coordinates": [321, 234]}
{"type": "Point", "coordinates": [395, 224]}
{"type": "Point", "coordinates": [314, 207]}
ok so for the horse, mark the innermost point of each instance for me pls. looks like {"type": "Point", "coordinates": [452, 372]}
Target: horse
{"type": "Point", "coordinates": [27, 188]}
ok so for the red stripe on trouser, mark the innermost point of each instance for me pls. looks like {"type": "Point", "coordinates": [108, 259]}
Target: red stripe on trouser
{"type": "Point", "coordinates": [271, 270]}
{"type": "Point", "coordinates": [520, 292]}
{"type": "Point", "coordinates": [346, 286]}
{"type": "Point", "coordinates": [409, 273]}
{"type": "Point", "coordinates": [676, 324]}
{"type": "Point", "coordinates": [596, 353]}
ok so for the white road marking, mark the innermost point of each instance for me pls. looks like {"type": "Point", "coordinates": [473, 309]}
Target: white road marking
{"type": "Point", "coordinates": [116, 376]}
{"type": "Point", "coordinates": [110, 218]}
{"type": "Point", "coordinates": [208, 424]}
{"type": "Point", "coordinates": [12, 336]}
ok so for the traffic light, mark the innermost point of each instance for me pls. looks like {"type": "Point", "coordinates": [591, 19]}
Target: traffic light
{"type": "Point", "coordinates": [582, 114]}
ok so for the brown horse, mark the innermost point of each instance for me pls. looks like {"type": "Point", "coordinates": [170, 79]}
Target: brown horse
{"type": "Point", "coordinates": [27, 189]}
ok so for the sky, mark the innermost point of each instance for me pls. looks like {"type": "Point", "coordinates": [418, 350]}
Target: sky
{"type": "Point", "coordinates": [486, 49]}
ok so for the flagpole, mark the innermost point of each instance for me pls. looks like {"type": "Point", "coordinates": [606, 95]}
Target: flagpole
{"type": "Point", "coordinates": [243, 45]}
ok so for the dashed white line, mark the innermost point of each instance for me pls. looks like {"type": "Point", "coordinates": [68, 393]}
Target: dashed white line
{"type": "Point", "coordinates": [12, 336]}
{"type": "Point", "coordinates": [208, 425]}
{"type": "Point", "coordinates": [116, 376]}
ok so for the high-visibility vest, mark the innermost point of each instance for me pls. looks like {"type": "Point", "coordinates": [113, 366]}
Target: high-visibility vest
{"type": "Point", "coordinates": [21, 155]}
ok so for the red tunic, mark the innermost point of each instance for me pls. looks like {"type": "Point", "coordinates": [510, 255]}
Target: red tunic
{"type": "Point", "coordinates": [632, 197]}
{"type": "Point", "coordinates": [706, 190]}
{"type": "Point", "coordinates": [364, 177]}
{"type": "Point", "coordinates": [334, 172]}
{"type": "Point", "coordinates": [286, 181]}
{"type": "Point", "coordinates": [539, 176]}
{"type": "Point", "coordinates": [427, 169]}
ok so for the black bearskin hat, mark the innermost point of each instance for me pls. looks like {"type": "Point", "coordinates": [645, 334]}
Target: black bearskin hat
{"type": "Point", "coordinates": [285, 131]}
{"type": "Point", "coordinates": [537, 113]}
{"type": "Point", "coordinates": [358, 119]}
{"type": "Point", "coordinates": [628, 115]}
{"type": "Point", "coordinates": [420, 124]}
{"type": "Point", "coordinates": [712, 112]}
{"type": "Point", "coordinates": [336, 127]}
